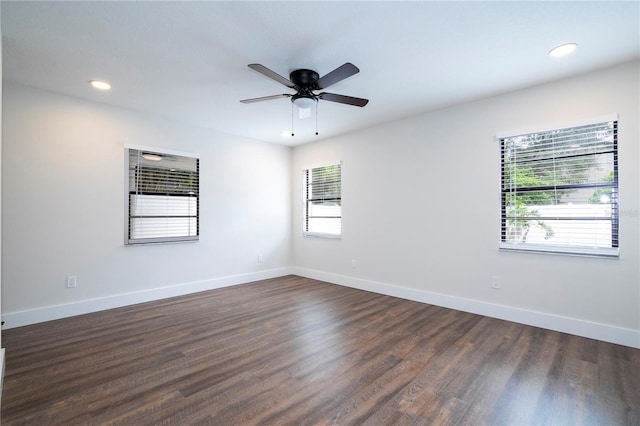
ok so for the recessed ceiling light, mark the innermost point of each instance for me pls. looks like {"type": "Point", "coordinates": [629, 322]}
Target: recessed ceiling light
{"type": "Point", "coordinates": [100, 85]}
{"type": "Point", "coordinates": [563, 50]}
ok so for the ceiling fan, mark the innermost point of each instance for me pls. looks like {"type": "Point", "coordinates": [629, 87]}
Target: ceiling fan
{"type": "Point", "coordinates": [305, 82]}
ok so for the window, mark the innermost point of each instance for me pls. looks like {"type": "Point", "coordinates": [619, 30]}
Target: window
{"type": "Point", "coordinates": [560, 190]}
{"type": "Point", "coordinates": [163, 197]}
{"type": "Point", "coordinates": [322, 192]}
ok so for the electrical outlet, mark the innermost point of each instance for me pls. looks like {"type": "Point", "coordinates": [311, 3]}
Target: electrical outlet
{"type": "Point", "coordinates": [495, 282]}
{"type": "Point", "coordinates": [354, 263]}
{"type": "Point", "coordinates": [259, 258]}
{"type": "Point", "coordinates": [72, 281]}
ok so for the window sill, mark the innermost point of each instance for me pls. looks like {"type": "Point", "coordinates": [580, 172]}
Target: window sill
{"type": "Point", "coordinates": [322, 236]}
{"type": "Point", "coordinates": [603, 252]}
{"type": "Point", "coordinates": [147, 241]}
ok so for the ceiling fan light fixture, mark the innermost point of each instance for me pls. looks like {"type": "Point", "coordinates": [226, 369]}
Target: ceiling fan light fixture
{"type": "Point", "coordinates": [563, 50]}
{"type": "Point", "coordinates": [304, 102]}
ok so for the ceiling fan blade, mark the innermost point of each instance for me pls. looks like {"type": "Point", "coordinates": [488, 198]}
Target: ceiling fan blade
{"type": "Point", "coordinates": [271, 74]}
{"type": "Point", "coordinates": [337, 75]}
{"type": "Point", "coordinates": [264, 98]}
{"type": "Point", "coordinates": [342, 99]}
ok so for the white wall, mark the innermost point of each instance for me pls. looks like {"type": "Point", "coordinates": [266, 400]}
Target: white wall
{"type": "Point", "coordinates": [421, 212]}
{"type": "Point", "coordinates": [64, 204]}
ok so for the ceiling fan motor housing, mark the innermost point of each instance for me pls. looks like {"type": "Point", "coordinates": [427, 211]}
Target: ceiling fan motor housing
{"type": "Point", "coordinates": [304, 81]}
{"type": "Point", "coordinates": [304, 78]}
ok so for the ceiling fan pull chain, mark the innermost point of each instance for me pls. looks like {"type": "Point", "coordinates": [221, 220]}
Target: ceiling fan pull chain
{"type": "Point", "coordinates": [316, 118]}
{"type": "Point", "coordinates": [292, 134]}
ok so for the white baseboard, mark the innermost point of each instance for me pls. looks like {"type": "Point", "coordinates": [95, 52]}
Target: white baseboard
{"type": "Point", "coordinates": [592, 330]}
{"type": "Point", "coordinates": [48, 313]}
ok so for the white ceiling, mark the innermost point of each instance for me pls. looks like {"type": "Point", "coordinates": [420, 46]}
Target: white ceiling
{"type": "Point", "coordinates": [187, 61]}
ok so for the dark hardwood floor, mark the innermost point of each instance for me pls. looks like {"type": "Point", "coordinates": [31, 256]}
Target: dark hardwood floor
{"type": "Point", "coordinates": [302, 352]}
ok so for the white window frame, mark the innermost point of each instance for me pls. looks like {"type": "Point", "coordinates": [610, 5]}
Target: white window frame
{"type": "Point", "coordinates": [160, 236]}
{"type": "Point", "coordinates": [613, 250]}
{"type": "Point", "coordinates": [306, 200]}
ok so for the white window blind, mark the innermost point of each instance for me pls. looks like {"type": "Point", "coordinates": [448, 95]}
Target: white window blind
{"type": "Point", "coordinates": [560, 190]}
{"type": "Point", "coordinates": [163, 197]}
{"type": "Point", "coordinates": [323, 201]}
